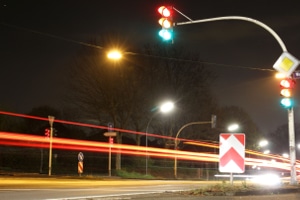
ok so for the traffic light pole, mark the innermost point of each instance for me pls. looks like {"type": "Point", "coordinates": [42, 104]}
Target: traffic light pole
{"type": "Point", "coordinates": [212, 122]}
{"type": "Point", "coordinates": [51, 120]}
{"type": "Point", "coordinates": [293, 180]}
{"type": "Point", "coordinates": [237, 18]}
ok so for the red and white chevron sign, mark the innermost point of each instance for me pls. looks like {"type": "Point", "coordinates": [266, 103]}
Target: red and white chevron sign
{"type": "Point", "coordinates": [232, 152]}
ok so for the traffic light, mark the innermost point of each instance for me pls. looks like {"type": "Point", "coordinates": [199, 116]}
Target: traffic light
{"type": "Point", "coordinates": [166, 22]}
{"type": "Point", "coordinates": [286, 92]}
{"type": "Point", "coordinates": [47, 132]}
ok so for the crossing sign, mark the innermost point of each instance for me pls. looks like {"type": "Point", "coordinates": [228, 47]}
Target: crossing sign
{"type": "Point", "coordinates": [232, 152]}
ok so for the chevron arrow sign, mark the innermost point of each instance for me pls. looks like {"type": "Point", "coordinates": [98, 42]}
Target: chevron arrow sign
{"type": "Point", "coordinates": [232, 152]}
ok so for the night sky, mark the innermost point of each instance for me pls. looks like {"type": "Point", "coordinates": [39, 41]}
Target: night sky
{"type": "Point", "coordinates": [241, 53]}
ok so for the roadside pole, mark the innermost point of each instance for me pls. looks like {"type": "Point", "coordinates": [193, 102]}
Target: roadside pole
{"type": "Point", "coordinates": [51, 120]}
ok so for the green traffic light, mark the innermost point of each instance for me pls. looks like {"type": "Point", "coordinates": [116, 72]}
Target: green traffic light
{"type": "Point", "coordinates": [286, 103]}
{"type": "Point", "coordinates": [165, 34]}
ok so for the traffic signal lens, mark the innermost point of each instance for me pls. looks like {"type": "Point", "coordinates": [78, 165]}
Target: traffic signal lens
{"type": "Point", "coordinates": [287, 83]}
{"type": "Point", "coordinates": [164, 11]}
{"type": "Point", "coordinates": [285, 93]}
{"type": "Point", "coordinates": [165, 23]}
{"type": "Point", "coordinates": [165, 34]}
{"type": "Point", "coordinates": [286, 102]}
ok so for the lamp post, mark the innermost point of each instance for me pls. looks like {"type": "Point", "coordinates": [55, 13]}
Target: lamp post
{"type": "Point", "coordinates": [164, 108]}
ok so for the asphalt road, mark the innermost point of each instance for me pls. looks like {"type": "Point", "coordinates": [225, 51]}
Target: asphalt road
{"type": "Point", "coordinates": [15, 188]}
{"type": "Point", "coordinates": [49, 188]}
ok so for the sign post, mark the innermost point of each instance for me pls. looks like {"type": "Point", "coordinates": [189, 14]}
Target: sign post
{"type": "Point", "coordinates": [51, 120]}
{"type": "Point", "coordinates": [80, 163]}
{"type": "Point", "coordinates": [110, 134]}
{"type": "Point", "coordinates": [232, 153]}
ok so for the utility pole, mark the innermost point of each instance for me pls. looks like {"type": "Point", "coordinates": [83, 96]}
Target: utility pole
{"type": "Point", "coordinates": [51, 120]}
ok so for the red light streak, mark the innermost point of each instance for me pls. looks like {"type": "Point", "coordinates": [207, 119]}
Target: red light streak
{"type": "Point", "coordinates": [25, 140]}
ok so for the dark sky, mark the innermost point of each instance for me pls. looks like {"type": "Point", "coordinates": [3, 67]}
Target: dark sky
{"type": "Point", "coordinates": [32, 65]}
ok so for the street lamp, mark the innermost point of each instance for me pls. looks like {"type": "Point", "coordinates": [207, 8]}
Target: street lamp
{"type": "Point", "coordinates": [263, 143]}
{"type": "Point", "coordinates": [164, 108]}
{"type": "Point", "coordinates": [233, 127]}
{"type": "Point", "coordinates": [114, 54]}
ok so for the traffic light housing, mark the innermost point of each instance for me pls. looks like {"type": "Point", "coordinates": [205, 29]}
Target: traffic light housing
{"type": "Point", "coordinates": [286, 87]}
{"type": "Point", "coordinates": [166, 22]}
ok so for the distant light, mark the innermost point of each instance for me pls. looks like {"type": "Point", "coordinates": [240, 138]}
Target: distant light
{"type": "Point", "coordinates": [263, 143]}
{"type": "Point", "coordinates": [116, 55]}
{"type": "Point", "coordinates": [285, 155]}
{"type": "Point", "coordinates": [267, 151]}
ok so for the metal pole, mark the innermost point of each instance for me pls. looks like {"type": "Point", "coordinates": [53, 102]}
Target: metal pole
{"type": "Point", "coordinates": [175, 146]}
{"type": "Point", "coordinates": [147, 143]}
{"type": "Point", "coordinates": [109, 158]}
{"type": "Point", "coordinates": [51, 120]}
{"type": "Point", "coordinates": [175, 160]}
{"type": "Point", "coordinates": [293, 180]}
{"type": "Point", "coordinates": [267, 28]}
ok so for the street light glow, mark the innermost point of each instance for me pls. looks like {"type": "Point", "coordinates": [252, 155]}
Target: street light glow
{"type": "Point", "coordinates": [166, 107]}
{"type": "Point", "coordinates": [115, 55]}
{"type": "Point", "coordinates": [263, 143]}
{"type": "Point", "coordinates": [233, 127]}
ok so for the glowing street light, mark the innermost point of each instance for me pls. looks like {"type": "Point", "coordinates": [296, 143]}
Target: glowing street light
{"type": "Point", "coordinates": [233, 127]}
{"type": "Point", "coordinates": [167, 107]}
{"type": "Point", "coordinates": [114, 54]}
{"type": "Point", "coordinates": [263, 143]}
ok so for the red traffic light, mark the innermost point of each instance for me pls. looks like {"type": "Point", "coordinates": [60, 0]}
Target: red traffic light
{"type": "Point", "coordinates": [165, 11]}
{"type": "Point", "coordinates": [287, 83]}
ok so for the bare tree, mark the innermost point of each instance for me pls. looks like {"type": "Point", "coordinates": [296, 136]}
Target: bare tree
{"type": "Point", "coordinates": [126, 92]}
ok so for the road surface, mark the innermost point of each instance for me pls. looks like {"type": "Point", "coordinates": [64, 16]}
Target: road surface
{"type": "Point", "coordinates": [50, 188]}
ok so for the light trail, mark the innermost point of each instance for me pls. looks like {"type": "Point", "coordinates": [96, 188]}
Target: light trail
{"type": "Point", "coordinates": [88, 125]}
{"type": "Point", "coordinates": [25, 140]}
